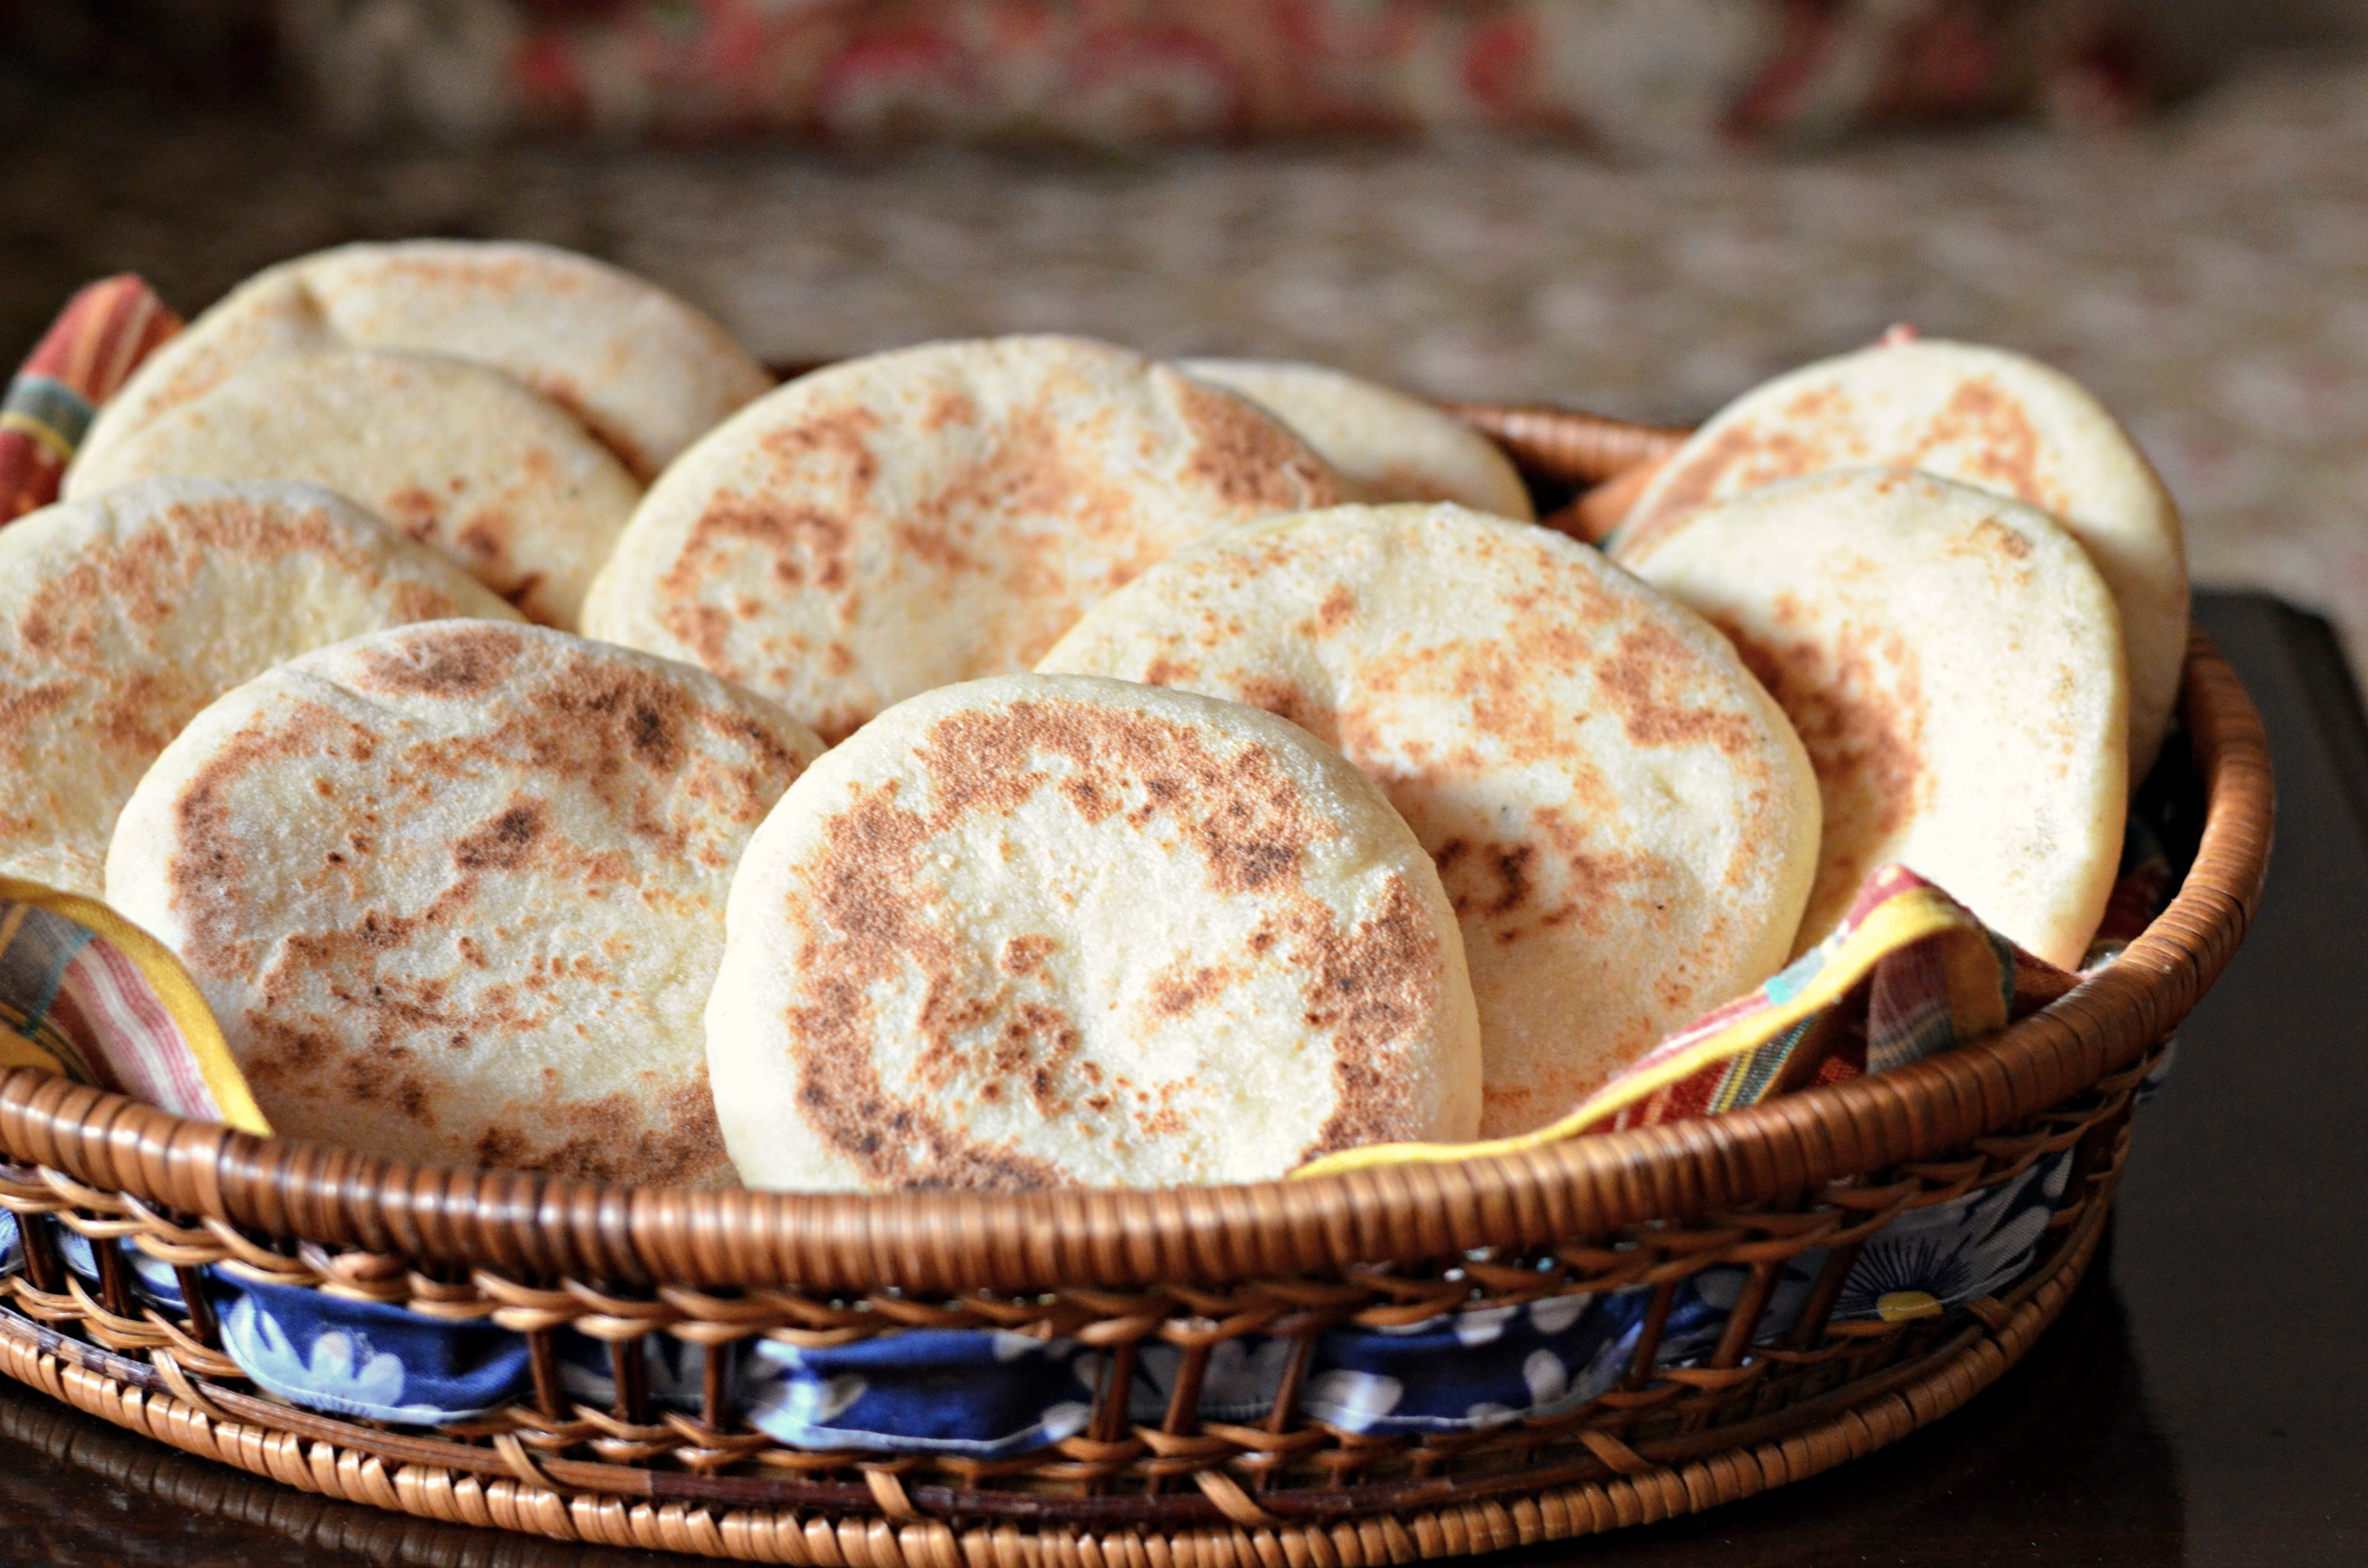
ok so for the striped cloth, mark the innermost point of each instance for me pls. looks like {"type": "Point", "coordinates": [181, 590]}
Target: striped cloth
{"type": "Point", "coordinates": [89, 352]}
{"type": "Point", "coordinates": [87, 994]}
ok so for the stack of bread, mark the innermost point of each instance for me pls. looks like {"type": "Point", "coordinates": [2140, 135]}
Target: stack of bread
{"type": "Point", "coordinates": [1020, 762]}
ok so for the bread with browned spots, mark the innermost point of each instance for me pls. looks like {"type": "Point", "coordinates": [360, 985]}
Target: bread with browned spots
{"type": "Point", "coordinates": [932, 515]}
{"type": "Point", "coordinates": [1982, 416]}
{"type": "Point", "coordinates": [1384, 445]}
{"type": "Point", "coordinates": [1037, 931]}
{"type": "Point", "coordinates": [457, 456]}
{"type": "Point", "coordinates": [456, 892]}
{"type": "Point", "coordinates": [1953, 662]}
{"type": "Point", "coordinates": [1623, 820]}
{"type": "Point", "coordinates": [644, 372]}
{"type": "Point", "coordinates": [123, 615]}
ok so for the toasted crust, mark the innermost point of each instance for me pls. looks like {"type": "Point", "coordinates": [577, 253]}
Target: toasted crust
{"type": "Point", "coordinates": [1384, 445]}
{"type": "Point", "coordinates": [1622, 819]}
{"type": "Point", "coordinates": [895, 523]}
{"type": "Point", "coordinates": [643, 371]}
{"type": "Point", "coordinates": [457, 456]}
{"type": "Point", "coordinates": [1036, 931]}
{"type": "Point", "coordinates": [123, 615]}
{"type": "Point", "coordinates": [1980, 416]}
{"type": "Point", "coordinates": [1953, 661]}
{"type": "Point", "coordinates": [455, 891]}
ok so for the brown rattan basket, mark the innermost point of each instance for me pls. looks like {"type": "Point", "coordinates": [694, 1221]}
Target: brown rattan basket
{"type": "Point", "coordinates": [1123, 1271]}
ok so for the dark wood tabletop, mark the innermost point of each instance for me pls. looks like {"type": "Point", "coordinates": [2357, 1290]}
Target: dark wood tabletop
{"type": "Point", "coordinates": [2203, 1400]}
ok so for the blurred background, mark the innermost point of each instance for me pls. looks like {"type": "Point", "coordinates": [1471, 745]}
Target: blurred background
{"type": "Point", "coordinates": [1640, 207]}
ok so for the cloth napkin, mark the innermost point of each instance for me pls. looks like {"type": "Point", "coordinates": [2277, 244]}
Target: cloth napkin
{"type": "Point", "coordinates": [87, 354]}
{"type": "Point", "coordinates": [87, 994]}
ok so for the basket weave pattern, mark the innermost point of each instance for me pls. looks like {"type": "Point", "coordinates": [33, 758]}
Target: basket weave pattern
{"type": "Point", "coordinates": [1124, 1272]}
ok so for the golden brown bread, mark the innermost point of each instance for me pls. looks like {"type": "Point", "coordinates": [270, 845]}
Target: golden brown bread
{"type": "Point", "coordinates": [455, 891]}
{"type": "Point", "coordinates": [932, 515]}
{"type": "Point", "coordinates": [1623, 820]}
{"type": "Point", "coordinates": [121, 616]}
{"type": "Point", "coordinates": [1035, 931]}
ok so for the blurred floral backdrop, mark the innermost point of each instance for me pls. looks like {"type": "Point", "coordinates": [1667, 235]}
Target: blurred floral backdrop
{"type": "Point", "coordinates": [1650, 74]}
{"type": "Point", "coordinates": [2205, 269]}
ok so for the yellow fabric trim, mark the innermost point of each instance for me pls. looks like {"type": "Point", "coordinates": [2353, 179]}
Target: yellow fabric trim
{"type": "Point", "coordinates": [17, 1051]}
{"type": "Point", "coordinates": [1907, 916]}
{"type": "Point", "coordinates": [181, 999]}
{"type": "Point", "coordinates": [48, 440]}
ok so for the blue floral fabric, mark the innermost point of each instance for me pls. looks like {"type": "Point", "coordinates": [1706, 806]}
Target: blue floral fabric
{"type": "Point", "coordinates": [1955, 1251]}
{"type": "Point", "coordinates": [152, 1279]}
{"type": "Point", "coordinates": [674, 1374]}
{"type": "Point", "coordinates": [984, 1392]}
{"type": "Point", "coordinates": [1464, 1370]}
{"type": "Point", "coordinates": [363, 1358]}
{"type": "Point", "coordinates": [989, 1394]}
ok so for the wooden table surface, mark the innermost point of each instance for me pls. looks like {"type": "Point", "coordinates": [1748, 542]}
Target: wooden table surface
{"type": "Point", "coordinates": [2203, 1400]}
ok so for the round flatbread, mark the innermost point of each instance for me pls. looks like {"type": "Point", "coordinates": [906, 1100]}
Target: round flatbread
{"type": "Point", "coordinates": [1623, 820]}
{"type": "Point", "coordinates": [456, 893]}
{"type": "Point", "coordinates": [1981, 417]}
{"type": "Point", "coordinates": [643, 371]}
{"type": "Point", "coordinates": [1037, 931]}
{"type": "Point", "coordinates": [1384, 445]}
{"type": "Point", "coordinates": [1953, 661]}
{"type": "Point", "coordinates": [123, 615]}
{"type": "Point", "coordinates": [457, 456]}
{"type": "Point", "coordinates": [899, 522]}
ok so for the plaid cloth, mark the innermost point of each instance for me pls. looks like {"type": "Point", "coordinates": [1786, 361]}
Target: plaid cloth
{"type": "Point", "coordinates": [104, 330]}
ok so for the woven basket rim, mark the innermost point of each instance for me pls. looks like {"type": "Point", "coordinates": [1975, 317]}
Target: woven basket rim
{"type": "Point", "coordinates": [523, 1223]}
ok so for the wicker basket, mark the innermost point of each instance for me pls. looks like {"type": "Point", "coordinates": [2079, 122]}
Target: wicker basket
{"type": "Point", "coordinates": [1127, 1272]}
